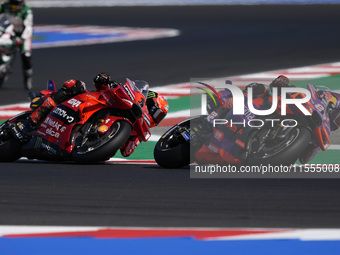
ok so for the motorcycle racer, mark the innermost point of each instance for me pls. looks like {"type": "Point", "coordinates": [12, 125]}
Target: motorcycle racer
{"type": "Point", "coordinates": [156, 106]}
{"type": "Point", "coordinates": [331, 99]}
{"type": "Point", "coordinates": [260, 91]}
{"type": "Point", "coordinates": [21, 16]}
{"type": "Point", "coordinates": [44, 103]}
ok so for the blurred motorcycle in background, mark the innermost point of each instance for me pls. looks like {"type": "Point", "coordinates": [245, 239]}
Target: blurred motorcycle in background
{"type": "Point", "coordinates": [8, 47]}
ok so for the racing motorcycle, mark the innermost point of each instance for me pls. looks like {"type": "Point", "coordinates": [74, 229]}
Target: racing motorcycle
{"type": "Point", "coordinates": [271, 143]}
{"type": "Point", "coordinates": [8, 47]}
{"type": "Point", "coordinates": [87, 128]}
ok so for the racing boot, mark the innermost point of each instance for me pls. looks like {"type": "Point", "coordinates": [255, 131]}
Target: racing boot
{"type": "Point", "coordinates": [129, 147]}
{"type": "Point", "coordinates": [70, 88]}
{"type": "Point", "coordinates": [27, 127]}
{"type": "Point", "coordinates": [34, 120]}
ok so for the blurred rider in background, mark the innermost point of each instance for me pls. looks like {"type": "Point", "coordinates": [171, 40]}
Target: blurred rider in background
{"type": "Point", "coordinates": [21, 16]}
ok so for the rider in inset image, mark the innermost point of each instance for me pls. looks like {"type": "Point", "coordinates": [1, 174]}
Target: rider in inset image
{"type": "Point", "coordinates": [260, 92]}
{"type": "Point", "coordinates": [21, 16]}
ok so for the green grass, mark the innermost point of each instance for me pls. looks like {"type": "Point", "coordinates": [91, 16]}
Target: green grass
{"type": "Point", "coordinates": [143, 151]}
{"type": "Point", "coordinates": [326, 157]}
{"type": "Point", "coordinates": [332, 82]}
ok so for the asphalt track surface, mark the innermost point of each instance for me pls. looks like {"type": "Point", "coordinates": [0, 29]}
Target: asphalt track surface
{"type": "Point", "coordinates": [214, 42]}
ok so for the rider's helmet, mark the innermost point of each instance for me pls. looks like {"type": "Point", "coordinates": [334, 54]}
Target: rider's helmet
{"type": "Point", "coordinates": [279, 82]}
{"type": "Point", "coordinates": [103, 81]}
{"type": "Point", "coordinates": [74, 87]}
{"type": "Point", "coordinates": [16, 5]}
{"type": "Point", "coordinates": [259, 89]}
{"type": "Point", "coordinates": [157, 106]}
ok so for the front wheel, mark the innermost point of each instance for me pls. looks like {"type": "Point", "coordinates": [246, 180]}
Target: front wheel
{"type": "Point", "coordinates": [171, 151]}
{"type": "Point", "coordinates": [173, 148]}
{"type": "Point", "coordinates": [270, 146]}
{"type": "Point", "coordinates": [90, 147]}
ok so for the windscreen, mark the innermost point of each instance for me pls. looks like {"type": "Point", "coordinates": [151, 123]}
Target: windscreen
{"type": "Point", "coordinates": [143, 87]}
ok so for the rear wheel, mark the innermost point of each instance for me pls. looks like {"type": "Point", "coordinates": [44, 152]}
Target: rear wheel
{"type": "Point", "coordinates": [10, 148]}
{"type": "Point", "coordinates": [275, 147]}
{"type": "Point", "coordinates": [171, 151]}
{"type": "Point", "coordinates": [91, 147]}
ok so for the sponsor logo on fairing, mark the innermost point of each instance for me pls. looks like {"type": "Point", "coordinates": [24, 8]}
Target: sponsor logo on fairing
{"type": "Point", "coordinates": [54, 124]}
{"type": "Point", "coordinates": [129, 92]}
{"type": "Point", "coordinates": [52, 133]}
{"type": "Point", "coordinates": [48, 148]}
{"type": "Point", "coordinates": [146, 118]}
{"type": "Point", "coordinates": [74, 103]}
{"type": "Point", "coordinates": [62, 113]}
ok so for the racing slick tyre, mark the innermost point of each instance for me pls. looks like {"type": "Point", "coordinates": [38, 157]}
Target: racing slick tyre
{"type": "Point", "coordinates": [93, 147]}
{"type": "Point", "coordinates": [284, 150]}
{"type": "Point", "coordinates": [168, 155]}
{"type": "Point", "coordinates": [173, 150]}
{"type": "Point", "coordinates": [10, 150]}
